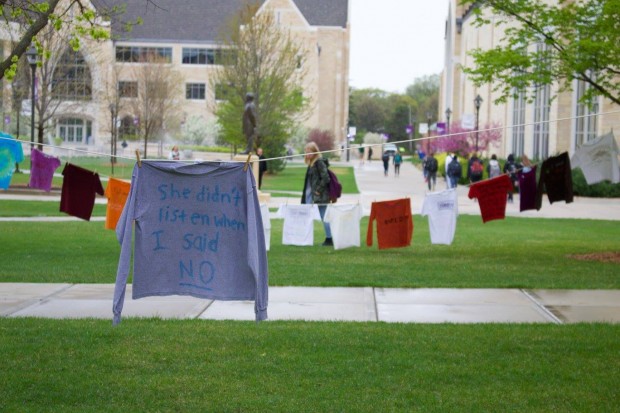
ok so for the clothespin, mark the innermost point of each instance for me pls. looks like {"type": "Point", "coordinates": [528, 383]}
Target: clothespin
{"type": "Point", "coordinates": [138, 158]}
{"type": "Point", "coordinates": [247, 162]}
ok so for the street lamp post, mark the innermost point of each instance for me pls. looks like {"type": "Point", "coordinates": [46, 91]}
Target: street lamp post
{"type": "Point", "coordinates": [477, 102]}
{"type": "Point", "coordinates": [448, 113]}
{"type": "Point", "coordinates": [112, 126]}
{"type": "Point", "coordinates": [428, 118]}
{"type": "Point", "coordinates": [32, 57]}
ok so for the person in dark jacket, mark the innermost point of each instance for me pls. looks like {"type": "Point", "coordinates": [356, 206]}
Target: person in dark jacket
{"type": "Point", "coordinates": [386, 163]}
{"type": "Point", "coordinates": [454, 171]}
{"type": "Point", "coordinates": [511, 167]}
{"type": "Point", "coordinates": [316, 185]}
{"type": "Point", "coordinates": [262, 166]}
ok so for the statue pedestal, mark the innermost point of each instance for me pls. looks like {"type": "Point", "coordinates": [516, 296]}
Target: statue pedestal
{"type": "Point", "coordinates": [262, 197]}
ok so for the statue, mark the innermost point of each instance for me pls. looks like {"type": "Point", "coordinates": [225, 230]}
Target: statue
{"type": "Point", "coordinates": [249, 123]}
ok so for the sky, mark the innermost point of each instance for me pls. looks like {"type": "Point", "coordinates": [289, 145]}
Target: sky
{"type": "Point", "coordinates": [394, 42]}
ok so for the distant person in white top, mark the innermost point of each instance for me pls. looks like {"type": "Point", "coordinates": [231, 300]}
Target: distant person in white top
{"type": "Point", "coordinates": [448, 160]}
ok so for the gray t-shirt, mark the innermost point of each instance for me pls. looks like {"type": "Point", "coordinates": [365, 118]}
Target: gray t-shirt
{"type": "Point", "coordinates": [198, 232]}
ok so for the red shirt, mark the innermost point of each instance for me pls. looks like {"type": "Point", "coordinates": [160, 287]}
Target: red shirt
{"type": "Point", "coordinates": [79, 187]}
{"type": "Point", "coordinates": [394, 223]}
{"type": "Point", "coordinates": [492, 194]}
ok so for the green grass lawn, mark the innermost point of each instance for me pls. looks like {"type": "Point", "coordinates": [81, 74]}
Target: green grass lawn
{"type": "Point", "coordinates": [513, 253]}
{"type": "Point", "coordinates": [196, 365]}
{"type": "Point", "coordinates": [10, 208]}
{"type": "Point", "coordinates": [200, 365]}
{"type": "Point", "coordinates": [292, 179]}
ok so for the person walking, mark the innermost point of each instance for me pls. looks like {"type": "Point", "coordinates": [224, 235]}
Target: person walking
{"type": "Point", "coordinates": [262, 166]}
{"type": "Point", "coordinates": [493, 168]}
{"type": "Point", "coordinates": [398, 159]}
{"type": "Point", "coordinates": [386, 162]}
{"type": "Point", "coordinates": [511, 167]}
{"type": "Point", "coordinates": [475, 168]}
{"type": "Point", "coordinates": [454, 171]}
{"type": "Point", "coordinates": [316, 185]}
{"type": "Point", "coordinates": [430, 170]}
{"type": "Point", "coordinates": [449, 158]}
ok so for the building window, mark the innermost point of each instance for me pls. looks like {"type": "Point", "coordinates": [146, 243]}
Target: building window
{"type": "Point", "coordinates": [74, 130]}
{"type": "Point", "coordinates": [586, 116]}
{"type": "Point", "coordinates": [203, 56]}
{"type": "Point", "coordinates": [195, 91]}
{"type": "Point", "coordinates": [128, 89]}
{"type": "Point", "coordinates": [71, 80]}
{"type": "Point", "coordinates": [128, 129]}
{"type": "Point", "coordinates": [518, 123]}
{"type": "Point", "coordinates": [196, 56]}
{"type": "Point", "coordinates": [542, 107]}
{"type": "Point", "coordinates": [138, 54]}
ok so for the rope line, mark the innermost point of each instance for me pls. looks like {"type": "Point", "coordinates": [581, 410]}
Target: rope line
{"type": "Point", "coordinates": [286, 157]}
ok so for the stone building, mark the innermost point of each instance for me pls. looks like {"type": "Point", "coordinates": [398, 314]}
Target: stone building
{"type": "Point", "coordinates": [538, 129]}
{"type": "Point", "coordinates": [184, 34]}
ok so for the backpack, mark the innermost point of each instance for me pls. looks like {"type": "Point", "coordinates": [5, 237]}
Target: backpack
{"type": "Point", "coordinates": [335, 188]}
{"type": "Point", "coordinates": [476, 168]}
{"type": "Point", "coordinates": [454, 169]}
{"type": "Point", "coordinates": [494, 170]}
{"type": "Point", "coordinates": [431, 164]}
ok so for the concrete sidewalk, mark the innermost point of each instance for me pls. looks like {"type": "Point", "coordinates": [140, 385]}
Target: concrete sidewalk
{"type": "Point", "coordinates": [367, 304]}
{"type": "Point", "coordinates": [346, 304]}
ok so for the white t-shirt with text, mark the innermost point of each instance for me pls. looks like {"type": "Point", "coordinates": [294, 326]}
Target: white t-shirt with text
{"type": "Point", "coordinates": [298, 228]}
{"type": "Point", "coordinates": [442, 210]}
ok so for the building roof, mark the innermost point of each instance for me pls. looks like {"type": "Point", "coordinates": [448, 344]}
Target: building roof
{"type": "Point", "coordinates": [200, 21]}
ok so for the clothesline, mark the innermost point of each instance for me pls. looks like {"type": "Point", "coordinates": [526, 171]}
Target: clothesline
{"type": "Point", "coordinates": [88, 152]}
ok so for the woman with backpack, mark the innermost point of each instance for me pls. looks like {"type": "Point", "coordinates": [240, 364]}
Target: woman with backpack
{"type": "Point", "coordinates": [316, 185]}
{"type": "Point", "coordinates": [493, 168]}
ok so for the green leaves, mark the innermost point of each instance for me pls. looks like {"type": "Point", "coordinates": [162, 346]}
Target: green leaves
{"type": "Point", "coordinates": [543, 44]}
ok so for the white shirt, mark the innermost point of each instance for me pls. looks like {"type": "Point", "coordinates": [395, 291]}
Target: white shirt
{"type": "Point", "coordinates": [298, 228]}
{"type": "Point", "coordinates": [442, 210]}
{"type": "Point", "coordinates": [344, 221]}
{"type": "Point", "coordinates": [598, 159]}
{"type": "Point", "coordinates": [264, 211]}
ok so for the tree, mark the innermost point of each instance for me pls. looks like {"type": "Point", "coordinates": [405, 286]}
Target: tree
{"type": "Point", "coordinates": [548, 43]}
{"type": "Point", "coordinates": [62, 79]}
{"type": "Point", "coordinates": [425, 91]}
{"type": "Point", "coordinates": [260, 57]}
{"type": "Point", "coordinates": [24, 20]}
{"type": "Point", "coordinates": [156, 102]}
{"type": "Point", "coordinates": [463, 141]}
{"type": "Point", "coordinates": [367, 109]}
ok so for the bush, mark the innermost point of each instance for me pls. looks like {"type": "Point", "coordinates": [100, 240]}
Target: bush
{"type": "Point", "coordinates": [324, 139]}
{"type": "Point", "coordinates": [603, 189]}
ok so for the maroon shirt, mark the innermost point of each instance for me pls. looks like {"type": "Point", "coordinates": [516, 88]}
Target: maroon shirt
{"type": "Point", "coordinates": [491, 195]}
{"type": "Point", "coordinates": [79, 187]}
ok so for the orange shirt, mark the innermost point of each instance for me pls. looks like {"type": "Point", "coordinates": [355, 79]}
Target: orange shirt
{"type": "Point", "coordinates": [116, 192]}
{"type": "Point", "coordinates": [394, 223]}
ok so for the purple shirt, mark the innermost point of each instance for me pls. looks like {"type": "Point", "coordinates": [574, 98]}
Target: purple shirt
{"type": "Point", "coordinates": [42, 170]}
{"type": "Point", "coordinates": [527, 189]}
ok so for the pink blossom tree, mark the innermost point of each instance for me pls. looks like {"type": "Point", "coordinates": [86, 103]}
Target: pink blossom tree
{"type": "Point", "coordinates": [463, 141]}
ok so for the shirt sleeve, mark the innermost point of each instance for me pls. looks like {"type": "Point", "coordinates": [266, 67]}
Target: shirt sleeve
{"type": "Point", "coordinates": [124, 237]}
{"type": "Point", "coordinates": [257, 251]}
{"type": "Point", "coordinates": [373, 215]}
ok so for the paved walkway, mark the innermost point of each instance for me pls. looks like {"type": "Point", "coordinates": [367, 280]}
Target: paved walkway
{"type": "Point", "coordinates": [348, 304]}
